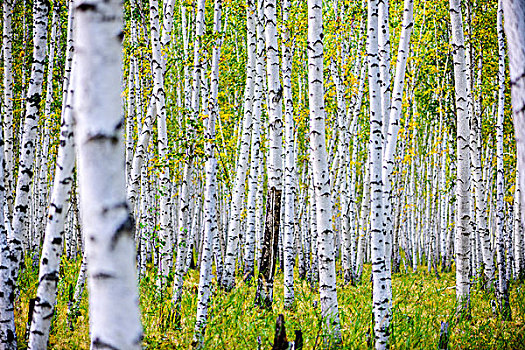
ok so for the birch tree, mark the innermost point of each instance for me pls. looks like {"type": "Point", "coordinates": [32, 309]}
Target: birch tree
{"type": "Point", "coordinates": [264, 292]}
{"type": "Point", "coordinates": [54, 233]}
{"type": "Point", "coordinates": [514, 12]}
{"type": "Point", "coordinates": [321, 175]}
{"type": "Point", "coordinates": [253, 204]}
{"type": "Point", "coordinates": [17, 243]}
{"type": "Point", "coordinates": [183, 215]}
{"type": "Point", "coordinates": [162, 140]}
{"type": "Point", "coordinates": [7, 102]}
{"type": "Point", "coordinates": [380, 286]}
{"type": "Point", "coordinates": [8, 338]}
{"type": "Point", "coordinates": [462, 238]}
{"type": "Point", "coordinates": [108, 222]}
{"type": "Point", "coordinates": [210, 194]}
{"type": "Point", "coordinates": [289, 169]}
{"type": "Point", "coordinates": [503, 282]}
{"type": "Point", "coordinates": [232, 247]}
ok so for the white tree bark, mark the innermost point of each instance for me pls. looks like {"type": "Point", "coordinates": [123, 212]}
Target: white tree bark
{"type": "Point", "coordinates": [393, 120]}
{"type": "Point", "coordinates": [54, 232]}
{"type": "Point", "coordinates": [515, 32]}
{"type": "Point", "coordinates": [462, 243]}
{"type": "Point", "coordinates": [518, 234]}
{"type": "Point", "coordinates": [7, 101]}
{"type": "Point", "coordinates": [275, 163]}
{"type": "Point", "coordinates": [258, 96]}
{"type": "Point", "coordinates": [289, 169]}
{"type": "Point", "coordinates": [321, 175]}
{"type": "Point", "coordinates": [503, 282]}
{"type": "Point", "coordinates": [8, 339]}
{"type": "Point", "coordinates": [269, 247]}
{"type": "Point", "coordinates": [42, 194]}
{"type": "Point", "coordinates": [182, 247]}
{"type": "Point", "coordinates": [210, 194]}
{"type": "Point", "coordinates": [384, 62]}
{"type": "Point", "coordinates": [108, 222]}
{"type": "Point", "coordinates": [380, 287]}
{"type": "Point", "coordinates": [244, 152]}
{"type": "Point", "coordinates": [29, 138]}
{"type": "Point", "coordinates": [252, 205]}
{"type": "Point", "coordinates": [162, 140]}
{"type": "Point", "coordinates": [481, 206]}
{"type": "Point", "coordinates": [363, 222]}
{"type": "Point", "coordinates": [140, 154]}
{"type": "Point", "coordinates": [132, 116]}
{"type": "Point", "coordinates": [313, 272]}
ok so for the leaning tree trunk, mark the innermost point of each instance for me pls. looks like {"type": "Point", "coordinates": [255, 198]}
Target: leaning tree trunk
{"type": "Point", "coordinates": [395, 114]}
{"type": "Point", "coordinates": [321, 176]}
{"type": "Point", "coordinates": [462, 242]}
{"type": "Point", "coordinates": [54, 232]}
{"type": "Point", "coordinates": [210, 194]}
{"type": "Point", "coordinates": [107, 219]}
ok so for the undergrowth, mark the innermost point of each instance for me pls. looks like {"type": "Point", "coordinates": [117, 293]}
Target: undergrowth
{"type": "Point", "coordinates": [421, 302]}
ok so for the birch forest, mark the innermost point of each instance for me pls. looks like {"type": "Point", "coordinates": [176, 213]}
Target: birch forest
{"type": "Point", "coordinates": [262, 174]}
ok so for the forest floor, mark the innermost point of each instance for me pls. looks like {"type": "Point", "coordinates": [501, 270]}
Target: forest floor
{"type": "Point", "coordinates": [421, 302]}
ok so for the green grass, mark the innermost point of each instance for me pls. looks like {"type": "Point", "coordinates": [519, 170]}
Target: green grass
{"type": "Point", "coordinates": [420, 303]}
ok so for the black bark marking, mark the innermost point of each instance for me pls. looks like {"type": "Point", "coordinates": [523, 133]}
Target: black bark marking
{"type": "Point", "coordinates": [86, 7]}
{"type": "Point", "coordinates": [52, 276]}
{"type": "Point", "coordinates": [102, 276]}
{"type": "Point", "coordinates": [99, 344]}
{"type": "Point", "coordinates": [103, 137]}
{"type": "Point", "coordinates": [126, 227]}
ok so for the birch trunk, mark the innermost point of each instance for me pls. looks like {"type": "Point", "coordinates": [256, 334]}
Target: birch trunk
{"type": "Point", "coordinates": [210, 194]}
{"type": "Point", "coordinates": [29, 138]}
{"type": "Point", "coordinates": [253, 205]}
{"type": "Point", "coordinates": [162, 140]}
{"type": "Point", "coordinates": [514, 12]}
{"type": "Point", "coordinates": [182, 247]}
{"type": "Point", "coordinates": [394, 123]}
{"type": "Point", "coordinates": [108, 222]}
{"type": "Point", "coordinates": [518, 234]}
{"type": "Point", "coordinates": [503, 282]}
{"type": "Point", "coordinates": [381, 289]}
{"type": "Point", "coordinates": [7, 102]}
{"type": "Point", "coordinates": [321, 176]}
{"type": "Point", "coordinates": [8, 339]}
{"type": "Point", "coordinates": [232, 248]}
{"type": "Point", "coordinates": [289, 169]}
{"type": "Point", "coordinates": [363, 223]}
{"type": "Point", "coordinates": [42, 182]}
{"type": "Point", "coordinates": [54, 232]}
{"type": "Point", "coordinates": [269, 251]}
{"type": "Point", "coordinates": [462, 242]}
